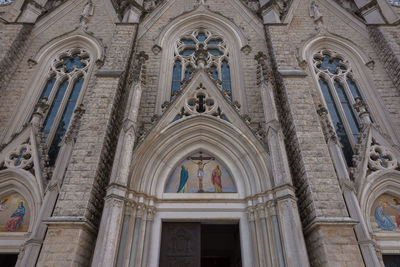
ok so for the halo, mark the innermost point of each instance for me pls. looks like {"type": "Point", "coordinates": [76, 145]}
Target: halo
{"type": "Point", "coordinates": [21, 200]}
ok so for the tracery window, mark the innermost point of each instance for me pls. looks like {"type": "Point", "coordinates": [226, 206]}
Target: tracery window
{"type": "Point", "coordinates": [64, 83]}
{"type": "Point", "coordinates": [339, 90]}
{"type": "Point", "coordinates": [201, 46]}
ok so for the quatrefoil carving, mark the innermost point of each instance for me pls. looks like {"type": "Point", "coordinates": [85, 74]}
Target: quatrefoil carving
{"type": "Point", "coordinates": [200, 101]}
{"type": "Point", "coordinates": [381, 158]}
{"type": "Point", "coordinates": [21, 157]}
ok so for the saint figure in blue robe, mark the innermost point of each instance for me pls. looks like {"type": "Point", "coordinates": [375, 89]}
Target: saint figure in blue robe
{"type": "Point", "coordinates": [384, 221]}
{"type": "Point", "coordinates": [183, 180]}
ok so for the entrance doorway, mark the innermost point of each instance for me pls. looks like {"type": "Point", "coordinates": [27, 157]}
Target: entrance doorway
{"type": "Point", "coordinates": [200, 245]}
{"type": "Point", "coordinates": [8, 260]}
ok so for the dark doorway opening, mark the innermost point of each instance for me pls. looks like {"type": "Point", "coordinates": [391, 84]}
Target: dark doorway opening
{"type": "Point", "coordinates": [200, 245]}
{"type": "Point", "coordinates": [8, 260]}
{"type": "Point", "coordinates": [391, 260]}
{"type": "Point", "coordinates": [220, 245]}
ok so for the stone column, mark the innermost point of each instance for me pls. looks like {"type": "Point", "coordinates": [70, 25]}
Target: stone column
{"type": "Point", "coordinates": [147, 239]}
{"type": "Point", "coordinates": [292, 235]}
{"type": "Point", "coordinates": [106, 246]}
{"type": "Point", "coordinates": [136, 240]}
{"type": "Point", "coordinates": [105, 253]}
{"type": "Point", "coordinates": [252, 227]}
{"type": "Point", "coordinates": [275, 246]}
{"type": "Point", "coordinates": [264, 235]}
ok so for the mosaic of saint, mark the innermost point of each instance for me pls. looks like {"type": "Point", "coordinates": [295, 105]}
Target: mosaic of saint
{"type": "Point", "coordinates": [385, 215]}
{"type": "Point", "coordinates": [200, 173]}
{"type": "Point", "coordinates": [14, 215]}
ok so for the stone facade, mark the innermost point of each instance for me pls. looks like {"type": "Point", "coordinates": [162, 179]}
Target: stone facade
{"type": "Point", "coordinates": [102, 203]}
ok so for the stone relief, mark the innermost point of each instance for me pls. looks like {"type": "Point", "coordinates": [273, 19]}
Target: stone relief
{"type": "Point", "coordinates": [20, 157]}
{"type": "Point", "coordinates": [381, 158]}
{"type": "Point", "coordinates": [200, 102]}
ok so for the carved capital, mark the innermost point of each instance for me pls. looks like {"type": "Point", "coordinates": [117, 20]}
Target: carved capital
{"type": "Point", "coordinates": [151, 211]}
{"type": "Point", "coordinates": [250, 214]}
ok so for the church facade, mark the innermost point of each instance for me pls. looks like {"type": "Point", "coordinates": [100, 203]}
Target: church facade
{"type": "Point", "coordinates": [200, 133]}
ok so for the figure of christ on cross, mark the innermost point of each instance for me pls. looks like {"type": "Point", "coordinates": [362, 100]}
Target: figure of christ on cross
{"type": "Point", "coordinates": [201, 162]}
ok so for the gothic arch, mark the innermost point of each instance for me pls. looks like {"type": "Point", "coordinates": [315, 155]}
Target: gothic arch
{"type": "Point", "coordinates": [76, 39]}
{"type": "Point", "coordinates": [24, 183]}
{"type": "Point", "coordinates": [378, 184]}
{"type": "Point", "coordinates": [242, 155]}
{"type": "Point", "coordinates": [201, 18]}
{"type": "Point", "coordinates": [359, 60]}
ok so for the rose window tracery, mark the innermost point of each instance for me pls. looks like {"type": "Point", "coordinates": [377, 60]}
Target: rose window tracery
{"type": "Point", "coordinates": [201, 48]}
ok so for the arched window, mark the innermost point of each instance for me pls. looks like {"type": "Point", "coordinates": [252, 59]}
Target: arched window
{"type": "Point", "coordinates": [66, 76]}
{"type": "Point", "coordinates": [201, 45]}
{"type": "Point", "coordinates": [339, 90]}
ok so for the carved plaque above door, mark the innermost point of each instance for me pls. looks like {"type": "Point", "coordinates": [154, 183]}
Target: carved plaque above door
{"type": "Point", "coordinates": [180, 245]}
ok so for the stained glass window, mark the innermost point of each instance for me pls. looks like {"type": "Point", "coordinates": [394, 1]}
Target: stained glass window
{"type": "Point", "coordinates": [62, 89]}
{"type": "Point", "coordinates": [216, 57]}
{"type": "Point", "coordinates": [339, 90]}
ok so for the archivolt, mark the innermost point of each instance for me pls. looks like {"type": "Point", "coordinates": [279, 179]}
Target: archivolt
{"type": "Point", "coordinates": [24, 183]}
{"type": "Point", "coordinates": [240, 152]}
{"type": "Point", "coordinates": [379, 183]}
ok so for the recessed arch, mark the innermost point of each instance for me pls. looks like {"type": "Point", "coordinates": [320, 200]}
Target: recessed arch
{"type": "Point", "coordinates": [160, 153]}
{"type": "Point", "coordinates": [23, 183]}
{"type": "Point", "coordinates": [359, 63]}
{"type": "Point", "coordinates": [42, 59]}
{"type": "Point", "coordinates": [378, 184]}
{"type": "Point", "coordinates": [197, 19]}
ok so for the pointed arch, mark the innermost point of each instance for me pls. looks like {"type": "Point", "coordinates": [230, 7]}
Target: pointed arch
{"type": "Point", "coordinates": [378, 184]}
{"type": "Point", "coordinates": [201, 18]}
{"type": "Point", "coordinates": [23, 183]}
{"type": "Point", "coordinates": [159, 154]}
{"type": "Point", "coordinates": [41, 60]}
{"type": "Point", "coordinates": [358, 62]}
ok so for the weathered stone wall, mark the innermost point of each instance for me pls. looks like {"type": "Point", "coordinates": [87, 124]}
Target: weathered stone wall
{"type": "Point", "coordinates": [81, 196]}
{"type": "Point", "coordinates": [320, 198]}
{"type": "Point", "coordinates": [42, 33]}
{"type": "Point", "coordinates": [386, 41]}
{"type": "Point", "coordinates": [248, 64]}
{"type": "Point", "coordinates": [13, 43]}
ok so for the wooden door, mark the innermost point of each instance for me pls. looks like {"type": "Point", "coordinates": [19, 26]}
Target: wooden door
{"type": "Point", "coordinates": [180, 245]}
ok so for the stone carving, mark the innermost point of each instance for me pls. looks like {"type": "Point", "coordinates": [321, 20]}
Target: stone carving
{"type": "Point", "coordinates": [72, 133]}
{"type": "Point", "coordinates": [86, 13]}
{"type": "Point", "coordinates": [200, 102]}
{"type": "Point", "coordinates": [314, 11]}
{"type": "Point", "coordinates": [156, 49]}
{"type": "Point", "coordinates": [246, 49]}
{"type": "Point", "coordinates": [327, 128]}
{"type": "Point", "coordinates": [381, 158]}
{"type": "Point", "coordinates": [202, 49]}
{"type": "Point", "coordinates": [20, 157]}
{"type": "Point", "coordinates": [250, 214]}
{"type": "Point", "coordinates": [140, 209]}
{"type": "Point", "coordinates": [151, 211]}
{"type": "Point", "coordinates": [254, 5]}
{"type": "Point", "coordinates": [261, 211]}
